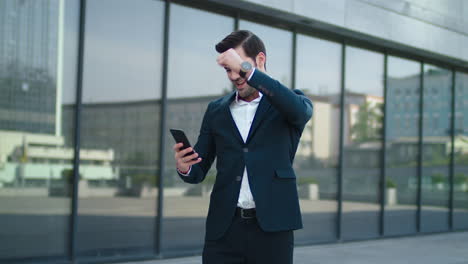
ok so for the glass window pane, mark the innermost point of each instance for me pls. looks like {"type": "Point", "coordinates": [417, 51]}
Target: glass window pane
{"type": "Point", "coordinates": [316, 159]}
{"type": "Point", "coordinates": [437, 97]}
{"type": "Point", "coordinates": [278, 45]}
{"type": "Point", "coordinates": [362, 143]}
{"type": "Point", "coordinates": [120, 128]}
{"type": "Point", "coordinates": [38, 57]}
{"type": "Point", "coordinates": [194, 80]}
{"type": "Point", "coordinates": [402, 149]}
{"type": "Point", "coordinates": [461, 152]}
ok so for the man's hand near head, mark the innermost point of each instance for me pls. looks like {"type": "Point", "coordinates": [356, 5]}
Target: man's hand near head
{"type": "Point", "coordinates": [230, 59]}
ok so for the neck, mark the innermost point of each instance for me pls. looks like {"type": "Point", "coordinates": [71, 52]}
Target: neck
{"type": "Point", "coordinates": [251, 97]}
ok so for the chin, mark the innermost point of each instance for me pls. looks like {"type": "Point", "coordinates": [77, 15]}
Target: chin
{"type": "Point", "coordinates": [242, 87]}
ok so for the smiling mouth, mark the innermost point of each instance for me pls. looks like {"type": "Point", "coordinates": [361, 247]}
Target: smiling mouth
{"type": "Point", "coordinates": [240, 83]}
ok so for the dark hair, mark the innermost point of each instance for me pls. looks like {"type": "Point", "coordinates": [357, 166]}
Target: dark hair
{"type": "Point", "coordinates": [249, 41]}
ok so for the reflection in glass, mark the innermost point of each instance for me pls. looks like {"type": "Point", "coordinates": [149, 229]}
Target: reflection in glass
{"type": "Point", "coordinates": [460, 198]}
{"type": "Point", "coordinates": [37, 73]}
{"type": "Point", "coordinates": [316, 159]}
{"type": "Point", "coordinates": [402, 149]}
{"type": "Point", "coordinates": [278, 44]}
{"type": "Point", "coordinates": [437, 99]}
{"type": "Point", "coordinates": [362, 143]}
{"type": "Point", "coordinates": [120, 128]}
{"type": "Point", "coordinates": [194, 80]}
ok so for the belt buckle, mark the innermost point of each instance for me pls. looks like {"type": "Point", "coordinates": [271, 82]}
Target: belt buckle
{"type": "Point", "coordinates": [243, 216]}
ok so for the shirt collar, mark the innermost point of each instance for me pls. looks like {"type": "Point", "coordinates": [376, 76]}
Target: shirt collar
{"type": "Point", "coordinates": [239, 101]}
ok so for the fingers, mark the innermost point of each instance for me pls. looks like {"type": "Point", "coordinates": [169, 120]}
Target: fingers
{"type": "Point", "coordinates": [230, 58]}
{"type": "Point", "coordinates": [221, 60]}
{"type": "Point", "coordinates": [192, 162]}
{"type": "Point", "coordinates": [181, 153]}
{"type": "Point", "coordinates": [185, 163]}
{"type": "Point", "coordinates": [177, 146]}
{"type": "Point", "coordinates": [189, 158]}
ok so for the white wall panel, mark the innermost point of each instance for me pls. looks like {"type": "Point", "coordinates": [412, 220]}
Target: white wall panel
{"type": "Point", "coordinates": [433, 25]}
{"type": "Point", "coordinates": [332, 12]}
{"type": "Point", "coordinates": [378, 22]}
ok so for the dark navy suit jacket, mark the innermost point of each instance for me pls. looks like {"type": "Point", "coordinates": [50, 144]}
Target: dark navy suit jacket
{"type": "Point", "coordinates": [268, 154]}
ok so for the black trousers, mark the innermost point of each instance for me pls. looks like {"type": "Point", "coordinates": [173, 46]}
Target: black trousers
{"type": "Point", "coordinates": [246, 243]}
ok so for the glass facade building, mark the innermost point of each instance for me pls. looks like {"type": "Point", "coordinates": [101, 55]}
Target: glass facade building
{"type": "Point", "coordinates": [90, 88]}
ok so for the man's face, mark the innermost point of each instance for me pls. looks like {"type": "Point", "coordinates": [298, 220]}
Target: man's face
{"type": "Point", "coordinates": [243, 88]}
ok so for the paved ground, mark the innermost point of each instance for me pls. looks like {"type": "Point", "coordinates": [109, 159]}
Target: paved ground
{"type": "Point", "coordinates": [447, 248]}
{"type": "Point", "coordinates": [31, 226]}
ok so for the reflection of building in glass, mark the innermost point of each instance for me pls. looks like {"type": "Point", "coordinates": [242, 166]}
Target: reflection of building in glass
{"type": "Point", "coordinates": [28, 65]}
{"type": "Point", "coordinates": [403, 115]}
{"type": "Point", "coordinates": [362, 130]}
{"type": "Point", "coordinates": [362, 135]}
{"type": "Point", "coordinates": [363, 118]}
{"type": "Point", "coordinates": [32, 148]}
{"type": "Point", "coordinates": [35, 159]}
{"type": "Point", "coordinates": [317, 138]}
{"type": "Point", "coordinates": [461, 104]}
{"type": "Point", "coordinates": [404, 97]}
{"type": "Point", "coordinates": [131, 129]}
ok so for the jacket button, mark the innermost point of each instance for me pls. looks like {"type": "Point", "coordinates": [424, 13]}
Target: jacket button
{"type": "Point", "coordinates": [238, 178]}
{"type": "Point", "coordinates": [246, 149]}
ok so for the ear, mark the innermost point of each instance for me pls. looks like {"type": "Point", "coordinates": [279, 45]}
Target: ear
{"type": "Point", "coordinates": [260, 60]}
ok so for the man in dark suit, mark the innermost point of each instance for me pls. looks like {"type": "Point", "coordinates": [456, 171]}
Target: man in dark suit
{"type": "Point", "coordinates": [254, 133]}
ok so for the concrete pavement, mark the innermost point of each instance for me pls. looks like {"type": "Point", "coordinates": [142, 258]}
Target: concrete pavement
{"type": "Point", "coordinates": [444, 248]}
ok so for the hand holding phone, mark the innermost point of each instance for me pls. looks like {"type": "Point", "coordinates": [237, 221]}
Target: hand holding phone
{"type": "Point", "coordinates": [180, 137]}
{"type": "Point", "coordinates": [183, 164]}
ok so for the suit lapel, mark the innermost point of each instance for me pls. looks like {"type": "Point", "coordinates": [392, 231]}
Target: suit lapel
{"type": "Point", "coordinates": [228, 115]}
{"type": "Point", "coordinates": [262, 109]}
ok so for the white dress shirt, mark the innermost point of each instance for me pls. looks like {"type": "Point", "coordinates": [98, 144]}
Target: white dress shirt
{"type": "Point", "coordinates": [243, 114]}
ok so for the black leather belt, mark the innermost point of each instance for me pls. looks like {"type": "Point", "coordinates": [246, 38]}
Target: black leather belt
{"type": "Point", "coordinates": [246, 213]}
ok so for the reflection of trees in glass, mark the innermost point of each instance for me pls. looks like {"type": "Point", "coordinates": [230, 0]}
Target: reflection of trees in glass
{"type": "Point", "coordinates": [136, 159]}
{"type": "Point", "coordinates": [461, 143]}
{"type": "Point", "coordinates": [435, 155]}
{"type": "Point", "coordinates": [461, 159]}
{"type": "Point", "coordinates": [308, 162]}
{"type": "Point", "coordinates": [138, 167]}
{"type": "Point", "coordinates": [368, 126]}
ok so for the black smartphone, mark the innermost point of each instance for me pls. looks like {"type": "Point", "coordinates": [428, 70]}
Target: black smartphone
{"type": "Point", "coordinates": [180, 137]}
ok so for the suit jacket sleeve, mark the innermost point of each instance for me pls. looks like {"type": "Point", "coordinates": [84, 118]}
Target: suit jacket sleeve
{"type": "Point", "coordinates": [294, 105]}
{"type": "Point", "coordinates": [205, 147]}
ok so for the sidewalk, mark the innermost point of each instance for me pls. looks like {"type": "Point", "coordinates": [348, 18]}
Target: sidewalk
{"type": "Point", "coordinates": [446, 248]}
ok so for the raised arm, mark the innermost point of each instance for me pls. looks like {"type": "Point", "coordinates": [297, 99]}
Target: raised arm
{"type": "Point", "coordinates": [294, 105]}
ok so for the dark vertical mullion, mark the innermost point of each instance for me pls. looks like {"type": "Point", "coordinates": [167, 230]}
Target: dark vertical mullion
{"type": "Point", "coordinates": [420, 148]}
{"type": "Point", "coordinates": [383, 175]}
{"type": "Point", "coordinates": [452, 152]}
{"type": "Point", "coordinates": [76, 149]}
{"type": "Point", "coordinates": [162, 141]}
{"type": "Point", "coordinates": [339, 233]}
{"type": "Point", "coordinates": [236, 27]}
{"type": "Point", "coordinates": [293, 60]}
